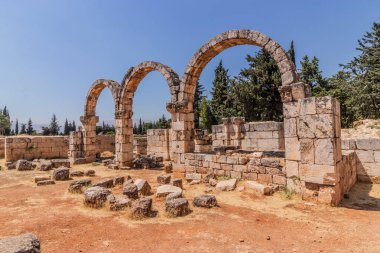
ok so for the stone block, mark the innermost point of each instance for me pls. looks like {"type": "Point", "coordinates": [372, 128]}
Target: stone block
{"type": "Point", "coordinates": [260, 188]}
{"type": "Point", "coordinates": [307, 151]}
{"type": "Point", "coordinates": [291, 109]}
{"type": "Point", "coordinates": [325, 151]}
{"type": "Point", "coordinates": [291, 168]}
{"type": "Point", "coordinates": [368, 144]}
{"type": "Point", "coordinates": [307, 106]}
{"type": "Point", "coordinates": [365, 156]}
{"type": "Point", "coordinates": [280, 180]}
{"type": "Point", "coordinates": [292, 149]}
{"type": "Point", "coordinates": [290, 127]}
{"type": "Point", "coordinates": [236, 174]}
{"type": "Point", "coordinates": [264, 178]}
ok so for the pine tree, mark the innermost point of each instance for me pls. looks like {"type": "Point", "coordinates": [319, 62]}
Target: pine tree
{"type": "Point", "coordinates": [66, 128]}
{"type": "Point", "coordinates": [197, 102]}
{"type": "Point", "coordinates": [5, 124]}
{"type": "Point", "coordinates": [23, 128]}
{"type": "Point", "coordinates": [219, 101]}
{"type": "Point", "coordinates": [312, 75]}
{"type": "Point", "coordinates": [29, 129]}
{"type": "Point", "coordinates": [16, 127]}
{"type": "Point", "coordinates": [292, 53]}
{"type": "Point", "coordinates": [54, 127]}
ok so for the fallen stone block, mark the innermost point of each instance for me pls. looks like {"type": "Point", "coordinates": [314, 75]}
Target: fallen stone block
{"type": "Point", "coordinates": [90, 173]}
{"type": "Point", "coordinates": [106, 183]}
{"type": "Point", "coordinates": [75, 188]}
{"type": "Point", "coordinates": [77, 173]}
{"type": "Point", "coordinates": [79, 161]}
{"type": "Point", "coordinates": [83, 182]}
{"type": "Point", "coordinates": [260, 188]}
{"type": "Point", "coordinates": [96, 196]}
{"type": "Point", "coordinates": [166, 189]}
{"type": "Point", "coordinates": [130, 190]}
{"type": "Point", "coordinates": [174, 195]}
{"type": "Point", "coordinates": [206, 200]}
{"type": "Point", "coordinates": [41, 178]}
{"type": "Point", "coordinates": [212, 182]}
{"type": "Point", "coordinates": [107, 162]}
{"type": "Point", "coordinates": [44, 165]}
{"type": "Point", "coordinates": [25, 243]}
{"type": "Point", "coordinates": [113, 167]}
{"type": "Point", "coordinates": [22, 165]}
{"type": "Point", "coordinates": [226, 185]}
{"type": "Point", "coordinates": [45, 182]}
{"type": "Point", "coordinates": [60, 163]}
{"type": "Point", "coordinates": [11, 166]}
{"type": "Point", "coordinates": [163, 179]}
{"type": "Point", "coordinates": [193, 176]}
{"type": "Point", "coordinates": [177, 207]}
{"type": "Point", "coordinates": [118, 203]}
{"type": "Point", "coordinates": [142, 208]}
{"type": "Point", "coordinates": [177, 182]}
{"type": "Point", "coordinates": [61, 174]}
{"type": "Point", "coordinates": [143, 187]}
{"type": "Point", "coordinates": [118, 180]}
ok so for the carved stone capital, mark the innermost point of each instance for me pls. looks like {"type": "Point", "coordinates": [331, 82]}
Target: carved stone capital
{"type": "Point", "coordinates": [181, 106]}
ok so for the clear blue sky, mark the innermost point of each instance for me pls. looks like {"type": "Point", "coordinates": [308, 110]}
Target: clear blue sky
{"type": "Point", "coordinates": [52, 51]}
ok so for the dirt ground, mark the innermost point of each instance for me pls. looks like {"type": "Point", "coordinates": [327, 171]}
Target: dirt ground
{"type": "Point", "coordinates": [244, 222]}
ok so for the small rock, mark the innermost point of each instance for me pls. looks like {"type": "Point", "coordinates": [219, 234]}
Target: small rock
{"type": "Point", "coordinates": [130, 190]}
{"type": "Point", "coordinates": [268, 237]}
{"type": "Point", "coordinates": [77, 173]}
{"type": "Point", "coordinates": [174, 195]}
{"type": "Point", "coordinates": [90, 173]}
{"type": "Point", "coordinates": [96, 196]}
{"type": "Point", "coordinates": [177, 207]}
{"type": "Point", "coordinates": [260, 188]}
{"type": "Point", "coordinates": [118, 203]}
{"type": "Point", "coordinates": [177, 182]}
{"type": "Point", "coordinates": [11, 166]}
{"type": "Point", "coordinates": [226, 185]}
{"type": "Point", "coordinates": [168, 168]}
{"type": "Point", "coordinates": [75, 188]}
{"type": "Point", "coordinates": [107, 162]}
{"type": "Point", "coordinates": [206, 200]}
{"type": "Point", "coordinates": [45, 182]}
{"type": "Point", "coordinates": [79, 161]}
{"type": "Point", "coordinates": [25, 243]}
{"type": "Point", "coordinates": [212, 182]}
{"type": "Point", "coordinates": [143, 187]}
{"type": "Point", "coordinates": [41, 178]}
{"type": "Point", "coordinates": [113, 167]}
{"type": "Point", "coordinates": [61, 174]}
{"type": "Point", "coordinates": [206, 178]}
{"type": "Point", "coordinates": [141, 208]}
{"type": "Point", "coordinates": [163, 179]}
{"type": "Point", "coordinates": [118, 180]}
{"type": "Point", "coordinates": [241, 240]}
{"type": "Point", "coordinates": [208, 190]}
{"type": "Point", "coordinates": [60, 163]}
{"type": "Point", "coordinates": [195, 182]}
{"type": "Point", "coordinates": [166, 189]}
{"type": "Point", "coordinates": [22, 165]}
{"type": "Point", "coordinates": [107, 183]}
{"type": "Point", "coordinates": [83, 182]}
{"type": "Point", "coordinates": [193, 176]}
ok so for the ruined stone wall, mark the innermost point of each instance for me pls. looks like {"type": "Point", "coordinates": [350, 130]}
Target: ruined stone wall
{"type": "Point", "coordinates": [158, 141]}
{"type": "Point", "coordinates": [2, 147]}
{"type": "Point", "coordinates": [140, 145]}
{"type": "Point", "coordinates": [105, 143]}
{"type": "Point", "coordinates": [264, 167]}
{"type": "Point", "coordinates": [368, 157]}
{"type": "Point", "coordinates": [35, 147]}
{"type": "Point", "coordinates": [254, 136]}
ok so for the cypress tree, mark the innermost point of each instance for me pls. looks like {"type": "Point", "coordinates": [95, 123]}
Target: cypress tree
{"type": "Point", "coordinates": [29, 129]}
{"type": "Point", "coordinates": [74, 127]}
{"type": "Point", "coordinates": [23, 128]}
{"type": "Point", "coordinates": [66, 128]}
{"type": "Point", "coordinates": [140, 127]}
{"type": "Point", "coordinates": [292, 53]}
{"type": "Point", "coordinates": [16, 127]}
{"type": "Point", "coordinates": [197, 102]}
{"type": "Point", "coordinates": [54, 127]}
{"type": "Point", "coordinates": [206, 116]}
{"type": "Point", "coordinates": [219, 101]}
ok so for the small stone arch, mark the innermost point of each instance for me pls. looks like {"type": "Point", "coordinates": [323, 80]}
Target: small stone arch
{"type": "Point", "coordinates": [229, 39]}
{"type": "Point", "coordinates": [124, 124]}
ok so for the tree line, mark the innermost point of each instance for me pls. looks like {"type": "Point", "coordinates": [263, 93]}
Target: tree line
{"type": "Point", "coordinates": [254, 94]}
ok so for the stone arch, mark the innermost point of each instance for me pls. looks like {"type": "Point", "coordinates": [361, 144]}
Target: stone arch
{"type": "Point", "coordinates": [124, 125]}
{"type": "Point", "coordinates": [229, 39]}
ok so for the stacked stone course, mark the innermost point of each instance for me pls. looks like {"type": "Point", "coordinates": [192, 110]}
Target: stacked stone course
{"type": "Point", "coordinates": [158, 141]}
{"type": "Point", "coordinates": [140, 145]}
{"type": "Point", "coordinates": [2, 147]}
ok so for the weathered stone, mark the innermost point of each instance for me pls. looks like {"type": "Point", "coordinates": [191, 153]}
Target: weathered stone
{"type": "Point", "coordinates": [75, 188]}
{"type": "Point", "coordinates": [177, 182]}
{"type": "Point", "coordinates": [22, 165]}
{"type": "Point", "coordinates": [118, 203]}
{"type": "Point", "coordinates": [113, 166]}
{"type": "Point", "coordinates": [25, 243]}
{"type": "Point", "coordinates": [260, 188]}
{"type": "Point", "coordinates": [96, 196]}
{"type": "Point", "coordinates": [83, 182]}
{"type": "Point", "coordinates": [41, 178]}
{"type": "Point", "coordinates": [77, 173]}
{"type": "Point", "coordinates": [44, 165]}
{"type": "Point", "coordinates": [56, 163]}
{"type": "Point", "coordinates": [141, 208]}
{"type": "Point", "coordinates": [166, 189]}
{"type": "Point", "coordinates": [174, 195]}
{"type": "Point", "coordinates": [118, 180]}
{"type": "Point", "coordinates": [131, 191]}
{"type": "Point", "coordinates": [226, 185]}
{"type": "Point", "coordinates": [61, 174]}
{"type": "Point", "coordinates": [45, 182]}
{"type": "Point", "coordinates": [143, 187]}
{"type": "Point", "coordinates": [206, 200]}
{"type": "Point", "coordinates": [177, 207]}
{"type": "Point", "coordinates": [193, 176]}
{"type": "Point", "coordinates": [90, 173]}
{"type": "Point", "coordinates": [213, 182]}
{"type": "Point", "coordinates": [106, 183]}
{"type": "Point", "coordinates": [163, 179]}
{"type": "Point", "coordinates": [11, 166]}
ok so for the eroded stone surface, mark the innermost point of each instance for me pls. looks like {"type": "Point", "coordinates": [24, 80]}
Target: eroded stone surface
{"type": "Point", "coordinates": [26, 243]}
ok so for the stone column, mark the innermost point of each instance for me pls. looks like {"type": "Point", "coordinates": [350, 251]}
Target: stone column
{"type": "Point", "coordinates": [227, 129]}
{"type": "Point", "coordinates": [76, 149]}
{"type": "Point", "coordinates": [123, 138]}
{"type": "Point", "coordinates": [237, 134]}
{"type": "Point", "coordinates": [89, 135]}
{"type": "Point", "coordinates": [312, 143]}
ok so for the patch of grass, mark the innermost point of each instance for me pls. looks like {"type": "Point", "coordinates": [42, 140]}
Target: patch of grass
{"type": "Point", "coordinates": [96, 164]}
{"type": "Point", "coordinates": [288, 193]}
{"type": "Point", "coordinates": [222, 178]}
{"type": "Point", "coordinates": [373, 126]}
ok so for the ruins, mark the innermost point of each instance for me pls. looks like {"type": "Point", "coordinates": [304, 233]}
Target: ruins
{"type": "Point", "coordinates": [304, 153]}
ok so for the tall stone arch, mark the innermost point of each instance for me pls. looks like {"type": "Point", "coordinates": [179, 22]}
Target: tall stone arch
{"type": "Point", "coordinates": [182, 129]}
{"type": "Point", "coordinates": [124, 124]}
{"type": "Point", "coordinates": [89, 118]}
